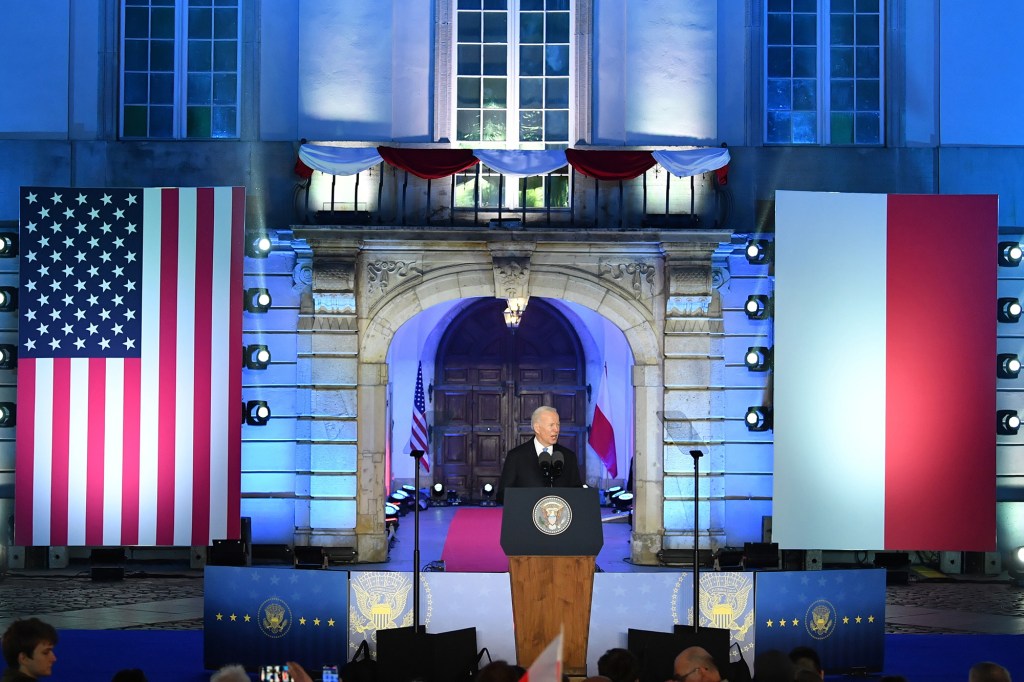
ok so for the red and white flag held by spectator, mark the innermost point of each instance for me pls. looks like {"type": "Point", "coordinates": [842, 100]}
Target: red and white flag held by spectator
{"type": "Point", "coordinates": [602, 436]}
{"type": "Point", "coordinates": [420, 439]}
{"type": "Point", "coordinates": [548, 666]}
{"type": "Point", "coordinates": [129, 376]}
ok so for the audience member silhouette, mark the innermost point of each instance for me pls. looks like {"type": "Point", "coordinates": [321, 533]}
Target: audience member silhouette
{"type": "Point", "coordinates": [773, 666]}
{"type": "Point", "coordinates": [28, 649]}
{"type": "Point", "coordinates": [129, 675]}
{"type": "Point", "coordinates": [619, 665]}
{"type": "Point", "coordinates": [231, 673]}
{"type": "Point", "coordinates": [987, 671]}
{"type": "Point", "coordinates": [695, 664]}
{"type": "Point", "coordinates": [806, 658]}
{"type": "Point", "coordinates": [499, 671]}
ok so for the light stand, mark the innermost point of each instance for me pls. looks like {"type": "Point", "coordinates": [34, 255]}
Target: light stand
{"type": "Point", "coordinates": [416, 455]}
{"type": "Point", "coordinates": [696, 454]}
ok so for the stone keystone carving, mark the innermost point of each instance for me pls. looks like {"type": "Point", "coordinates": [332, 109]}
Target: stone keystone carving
{"type": "Point", "coordinates": [511, 277]}
{"type": "Point", "coordinates": [634, 276]}
{"type": "Point", "coordinates": [379, 273]}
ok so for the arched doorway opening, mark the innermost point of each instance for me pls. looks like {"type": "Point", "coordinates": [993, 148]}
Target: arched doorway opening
{"type": "Point", "coordinates": [487, 382]}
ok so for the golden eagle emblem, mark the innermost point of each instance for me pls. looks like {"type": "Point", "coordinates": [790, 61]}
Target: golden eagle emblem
{"type": "Point", "coordinates": [552, 515]}
{"type": "Point", "coordinates": [380, 600]}
{"type": "Point", "coordinates": [276, 617]}
{"type": "Point", "coordinates": [820, 619]}
{"type": "Point", "coordinates": [725, 602]}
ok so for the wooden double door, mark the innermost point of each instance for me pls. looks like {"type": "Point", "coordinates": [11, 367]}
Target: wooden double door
{"type": "Point", "coordinates": [489, 380]}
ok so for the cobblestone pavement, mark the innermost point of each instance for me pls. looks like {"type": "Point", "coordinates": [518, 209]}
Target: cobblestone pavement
{"type": "Point", "coordinates": [988, 605]}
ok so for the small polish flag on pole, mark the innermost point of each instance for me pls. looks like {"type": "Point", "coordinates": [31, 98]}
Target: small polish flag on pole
{"type": "Point", "coordinates": [548, 666]}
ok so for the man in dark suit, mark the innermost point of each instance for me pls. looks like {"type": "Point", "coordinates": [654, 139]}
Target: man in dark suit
{"type": "Point", "coordinates": [522, 463]}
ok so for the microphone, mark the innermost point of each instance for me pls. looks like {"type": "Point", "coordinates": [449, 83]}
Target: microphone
{"type": "Point", "coordinates": [557, 464]}
{"type": "Point", "coordinates": [545, 461]}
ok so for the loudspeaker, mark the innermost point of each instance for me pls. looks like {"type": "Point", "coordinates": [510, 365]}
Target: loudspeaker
{"type": "Point", "coordinates": [760, 555]}
{"type": "Point", "coordinates": [310, 557]}
{"type": "Point", "coordinates": [107, 564]}
{"type": "Point", "coordinates": [404, 655]}
{"type": "Point", "coordinates": [227, 553]}
{"type": "Point", "coordinates": [896, 565]}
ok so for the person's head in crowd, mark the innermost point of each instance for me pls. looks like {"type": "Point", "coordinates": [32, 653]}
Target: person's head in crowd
{"type": "Point", "coordinates": [773, 666]}
{"type": "Point", "coordinates": [129, 675]}
{"type": "Point", "coordinates": [806, 658]}
{"type": "Point", "coordinates": [28, 647]}
{"type": "Point", "coordinates": [619, 665]}
{"type": "Point", "coordinates": [695, 664]}
{"type": "Point", "coordinates": [892, 678]}
{"type": "Point", "coordinates": [987, 671]}
{"type": "Point", "coordinates": [499, 671]}
{"type": "Point", "coordinates": [231, 673]}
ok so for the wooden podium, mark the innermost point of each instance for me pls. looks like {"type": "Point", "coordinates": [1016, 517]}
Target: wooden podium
{"type": "Point", "coordinates": [551, 536]}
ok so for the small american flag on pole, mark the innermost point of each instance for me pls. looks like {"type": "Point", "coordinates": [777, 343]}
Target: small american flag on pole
{"type": "Point", "coordinates": [419, 439]}
{"type": "Point", "coordinates": [129, 376]}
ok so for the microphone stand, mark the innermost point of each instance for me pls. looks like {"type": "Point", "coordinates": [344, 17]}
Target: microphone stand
{"type": "Point", "coordinates": [416, 454]}
{"type": "Point", "coordinates": [696, 454]}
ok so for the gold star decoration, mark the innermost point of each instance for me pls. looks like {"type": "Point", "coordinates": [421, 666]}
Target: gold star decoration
{"type": "Point", "coordinates": [871, 619]}
{"type": "Point", "coordinates": [846, 620]}
{"type": "Point", "coordinates": [770, 622]}
{"type": "Point", "coordinates": [302, 621]}
{"type": "Point", "coordinates": [233, 618]}
{"type": "Point", "coordinates": [795, 622]}
{"type": "Point", "coordinates": [248, 618]}
{"type": "Point", "coordinates": [316, 621]}
{"type": "Point", "coordinates": [782, 622]}
{"type": "Point", "coordinates": [858, 619]}
{"type": "Point", "coordinates": [330, 623]}
{"type": "Point", "coordinates": [220, 616]}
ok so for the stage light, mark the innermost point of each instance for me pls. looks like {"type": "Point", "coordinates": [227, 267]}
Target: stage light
{"type": "Point", "coordinates": [438, 497]}
{"type": "Point", "coordinates": [758, 307]}
{"type": "Point", "coordinates": [1009, 310]}
{"type": "Point", "coordinates": [8, 356]}
{"type": "Point", "coordinates": [453, 497]}
{"type": "Point", "coordinates": [758, 359]}
{"type": "Point", "coordinates": [8, 244]}
{"type": "Point", "coordinates": [257, 245]}
{"type": "Point", "coordinates": [256, 356]}
{"type": "Point", "coordinates": [623, 502]}
{"type": "Point", "coordinates": [487, 490]}
{"type": "Point", "coordinates": [758, 418]}
{"type": "Point", "coordinates": [257, 413]}
{"type": "Point", "coordinates": [1010, 254]}
{"type": "Point", "coordinates": [1007, 422]}
{"type": "Point", "coordinates": [1007, 366]}
{"type": "Point", "coordinates": [8, 299]}
{"type": "Point", "coordinates": [758, 251]}
{"type": "Point", "coordinates": [611, 492]}
{"type": "Point", "coordinates": [257, 300]}
{"type": "Point", "coordinates": [8, 414]}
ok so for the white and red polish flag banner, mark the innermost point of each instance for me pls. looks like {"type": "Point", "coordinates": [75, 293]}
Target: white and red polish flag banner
{"type": "Point", "coordinates": [602, 435]}
{"type": "Point", "coordinates": [129, 372]}
{"type": "Point", "coordinates": [884, 388]}
{"type": "Point", "coordinates": [548, 666]}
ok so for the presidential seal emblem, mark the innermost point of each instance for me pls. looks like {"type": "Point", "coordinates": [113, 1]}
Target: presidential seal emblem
{"type": "Point", "coordinates": [552, 515]}
{"type": "Point", "coordinates": [381, 602]}
{"type": "Point", "coordinates": [820, 619]}
{"type": "Point", "coordinates": [275, 617]}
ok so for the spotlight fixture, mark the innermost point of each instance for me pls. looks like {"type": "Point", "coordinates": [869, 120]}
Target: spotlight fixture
{"type": "Point", "coordinates": [758, 251]}
{"type": "Point", "coordinates": [623, 502]}
{"type": "Point", "coordinates": [453, 497]}
{"type": "Point", "coordinates": [8, 414]}
{"type": "Point", "coordinates": [256, 356]}
{"type": "Point", "coordinates": [758, 418]}
{"type": "Point", "coordinates": [1007, 422]}
{"type": "Point", "coordinates": [8, 244]}
{"type": "Point", "coordinates": [758, 358]}
{"type": "Point", "coordinates": [257, 245]}
{"type": "Point", "coordinates": [8, 299]}
{"type": "Point", "coordinates": [610, 493]}
{"type": "Point", "coordinates": [758, 307]}
{"type": "Point", "coordinates": [402, 501]}
{"type": "Point", "coordinates": [1009, 310]}
{"type": "Point", "coordinates": [1010, 254]}
{"type": "Point", "coordinates": [8, 356]}
{"type": "Point", "coordinates": [257, 413]}
{"type": "Point", "coordinates": [487, 490]}
{"type": "Point", "coordinates": [437, 495]}
{"type": "Point", "coordinates": [1007, 365]}
{"type": "Point", "coordinates": [257, 300]}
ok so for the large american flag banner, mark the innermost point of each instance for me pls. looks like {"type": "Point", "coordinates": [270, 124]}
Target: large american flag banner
{"type": "Point", "coordinates": [129, 368]}
{"type": "Point", "coordinates": [419, 438]}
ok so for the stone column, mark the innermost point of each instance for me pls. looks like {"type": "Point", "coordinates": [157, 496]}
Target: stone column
{"type": "Point", "coordinates": [648, 473]}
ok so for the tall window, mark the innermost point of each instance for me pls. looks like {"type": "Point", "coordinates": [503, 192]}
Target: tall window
{"type": "Point", "coordinates": [180, 68]}
{"type": "Point", "coordinates": [823, 72]}
{"type": "Point", "coordinates": [512, 69]}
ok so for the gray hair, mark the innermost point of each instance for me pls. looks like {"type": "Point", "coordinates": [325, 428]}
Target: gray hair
{"type": "Point", "coordinates": [541, 410]}
{"type": "Point", "coordinates": [230, 673]}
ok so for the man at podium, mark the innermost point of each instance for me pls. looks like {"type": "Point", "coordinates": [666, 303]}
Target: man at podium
{"type": "Point", "coordinates": [540, 461]}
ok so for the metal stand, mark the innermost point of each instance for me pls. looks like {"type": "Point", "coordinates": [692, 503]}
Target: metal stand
{"type": "Point", "coordinates": [416, 454]}
{"type": "Point", "coordinates": [696, 454]}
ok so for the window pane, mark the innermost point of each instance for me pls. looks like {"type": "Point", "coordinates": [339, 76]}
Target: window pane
{"type": "Point", "coordinates": [225, 88]}
{"type": "Point", "coordinates": [780, 6]}
{"type": "Point", "coordinates": [495, 4]}
{"type": "Point", "coordinates": [469, 27]}
{"type": "Point", "coordinates": [805, 96]}
{"type": "Point", "coordinates": [161, 122]}
{"type": "Point", "coordinates": [161, 88]}
{"type": "Point", "coordinates": [495, 93]}
{"type": "Point", "coordinates": [136, 88]}
{"type": "Point", "coordinates": [557, 60]}
{"type": "Point", "coordinates": [780, 96]}
{"type": "Point", "coordinates": [200, 23]}
{"type": "Point", "coordinates": [495, 27]}
{"type": "Point", "coordinates": [531, 93]}
{"type": "Point", "coordinates": [135, 121]}
{"type": "Point", "coordinates": [780, 64]}
{"type": "Point", "coordinates": [842, 128]}
{"type": "Point", "coordinates": [842, 62]}
{"type": "Point", "coordinates": [779, 127]}
{"type": "Point", "coordinates": [868, 98]}
{"type": "Point", "coordinates": [225, 23]}
{"type": "Point", "coordinates": [200, 55]}
{"type": "Point", "coordinates": [557, 5]}
{"type": "Point", "coordinates": [842, 6]}
{"type": "Point", "coordinates": [162, 23]}
{"type": "Point", "coordinates": [465, 190]}
{"type": "Point", "coordinates": [779, 29]}
{"type": "Point", "coordinates": [136, 55]}
{"type": "Point", "coordinates": [842, 29]}
{"type": "Point", "coordinates": [469, 4]}
{"type": "Point", "coordinates": [198, 122]}
{"type": "Point", "coordinates": [225, 55]}
{"type": "Point", "coordinates": [867, 29]}
{"type": "Point", "coordinates": [495, 60]}
{"type": "Point", "coordinates": [805, 6]}
{"type": "Point", "coordinates": [868, 129]}
{"type": "Point", "coordinates": [534, 190]}
{"type": "Point", "coordinates": [867, 62]}
{"type": "Point", "coordinates": [494, 125]}
{"type": "Point", "coordinates": [161, 55]}
{"type": "Point", "coordinates": [199, 88]}
{"type": "Point", "coordinates": [805, 128]}
{"type": "Point", "coordinates": [530, 126]}
{"type": "Point", "coordinates": [534, 5]}
{"type": "Point", "coordinates": [556, 126]}
{"type": "Point", "coordinates": [805, 62]}
{"type": "Point", "coordinates": [531, 27]}
{"type": "Point", "coordinates": [866, 5]}
{"type": "Point", "coordinates": [557, 95]}
{"type": "Point", "coordinates": [558, 195]}
{"type": "Point", "coordinates": [468, 93]}
{"type": "Point", "coordinates": [842, 95]}
{"type": "Point", "coordinates": [468, 125]}
{"type": "Point", "coordinates": [558, 28]}
{"type": "Point", "coordinates": [136, 22]}
{"type": "Point", "coordinates": [805, 29]}
{"type": "Point", "coordinates": [531, 61]}
{"type": "Point", "coordinates": [225, 122]}
{"type": "Point", "coordinates": [469, 60]}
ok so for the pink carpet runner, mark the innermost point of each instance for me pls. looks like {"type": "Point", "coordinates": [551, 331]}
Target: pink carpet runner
{"type": "Point", "coordinates": [473, 544]}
